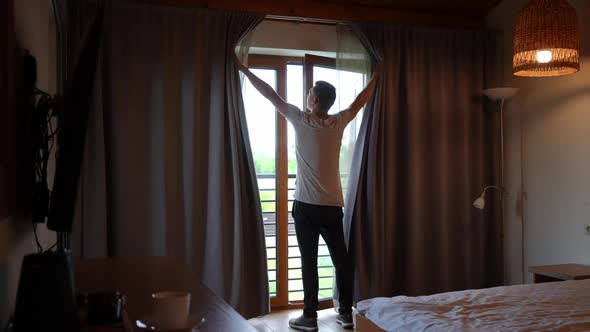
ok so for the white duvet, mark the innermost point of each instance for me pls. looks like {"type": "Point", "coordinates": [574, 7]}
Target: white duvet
{"type": "Point", "coordinates": [554, 306]}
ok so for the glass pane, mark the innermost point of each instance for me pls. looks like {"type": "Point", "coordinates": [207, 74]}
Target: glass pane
{"type": "Point", "coordinates": [296, 296]}
{"type": "Point", "coordinates": [272, 264]}
{"type": "Point", "coordinates": [323, 250]}
{"type": "Point", "coordinates": [295, 274]}
{"type": "Point", "coordinates": [291, 182]}
{"type": "Point", "coordinates": [296, 97]}
{"type": "Point", "coordinates": [292, 240]}
{"type": "Point", "coordinates": [325, 272]}
{"type": "Point", "coordinates": [272, 288]}
{"type": "Point", "coordinates": [271, 253]}
{"type": "Point", "coordinates": [294, 262]}
{"type": "Point", "coordinates": [326, 283]}
{"type": "Point", "coordinates": [261, 116]}
{"type": "Point", "coordinates": [294, 252]}
{"type": "Point", "coordinates": [325, 294]}
{"type": "Point", "coordinates": [325, 261]}
{"type": "Point", "coordinates": [296, 285]}
{"type": "Point", "coordinates": [271, 241]}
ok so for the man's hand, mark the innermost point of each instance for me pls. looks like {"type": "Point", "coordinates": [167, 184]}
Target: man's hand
{"type": "Point", "coordinates": [364, 95]}
{"type": "Point", "coordinates": [239, 63]}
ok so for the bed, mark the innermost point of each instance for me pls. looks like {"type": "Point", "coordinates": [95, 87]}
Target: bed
{"type": "Point", "coordinates": [554, 306]}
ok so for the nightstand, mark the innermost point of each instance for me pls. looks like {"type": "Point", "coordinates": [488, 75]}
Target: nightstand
{"type": "Point", "coordinates": [560, 272]}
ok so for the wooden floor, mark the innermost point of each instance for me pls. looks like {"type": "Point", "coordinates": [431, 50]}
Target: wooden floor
{"type": "Point", "coordinates": [279, 321]}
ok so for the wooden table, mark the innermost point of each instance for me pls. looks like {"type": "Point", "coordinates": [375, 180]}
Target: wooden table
{"type": "Point", "coordinates": [139, 277]}
{"type": "Point", "coordinates": [560, 272]}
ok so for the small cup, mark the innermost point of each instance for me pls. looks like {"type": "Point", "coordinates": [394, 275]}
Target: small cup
{"type": "Point", "coordinates": [171, 309]}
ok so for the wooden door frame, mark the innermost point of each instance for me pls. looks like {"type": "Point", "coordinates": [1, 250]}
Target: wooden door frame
{"type": "Point", "coordinates": [279, 64]}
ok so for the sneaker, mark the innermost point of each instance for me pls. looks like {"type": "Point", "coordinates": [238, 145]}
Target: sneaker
{"type": "Point", "coordinates": [345, 320]}
{"type": "Point", "coordinates": [303, 323]}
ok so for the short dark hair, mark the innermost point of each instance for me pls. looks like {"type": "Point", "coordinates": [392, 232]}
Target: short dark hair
{"type": "Point", "coordinates": [326, 94]}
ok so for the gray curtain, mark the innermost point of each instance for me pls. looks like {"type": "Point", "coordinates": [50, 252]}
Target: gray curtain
{"type": "Point", "coordinates": [84, 41]}
{"type": "Point", "coordinates": [168, 169]}
{"type": "Point", "coordinates": [73, 18]}
{"type": "Point", "coordinates": [425, 150]}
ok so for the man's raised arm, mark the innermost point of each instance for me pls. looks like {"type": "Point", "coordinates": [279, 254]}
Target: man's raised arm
{"type": "Point", "coordinates": [267, 91]}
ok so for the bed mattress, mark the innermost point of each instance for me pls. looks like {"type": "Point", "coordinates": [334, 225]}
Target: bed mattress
{"type": "Point", "coordinates": [554, 306]}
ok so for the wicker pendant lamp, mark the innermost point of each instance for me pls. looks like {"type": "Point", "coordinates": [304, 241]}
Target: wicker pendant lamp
{"type": "Point", "coordinates": [546, 39]}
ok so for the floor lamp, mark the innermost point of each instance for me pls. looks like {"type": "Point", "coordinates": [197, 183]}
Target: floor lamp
{"type": "Point", "coordinates": [500, 95]}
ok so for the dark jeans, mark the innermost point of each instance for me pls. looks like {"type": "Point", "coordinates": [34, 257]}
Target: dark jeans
{"type": "Point", "coordinates": [311, 221]}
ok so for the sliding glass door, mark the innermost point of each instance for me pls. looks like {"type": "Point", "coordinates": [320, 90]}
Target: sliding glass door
{"type": "Point", "coordinates": [273, 145]}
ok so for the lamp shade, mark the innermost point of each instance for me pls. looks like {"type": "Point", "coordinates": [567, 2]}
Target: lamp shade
{"type": "Point", "coordinates": [500, 93]}
{"type": "Point", "coordinates": [480, 203]}
{"type": "Point", "coordinates": [546, 39]}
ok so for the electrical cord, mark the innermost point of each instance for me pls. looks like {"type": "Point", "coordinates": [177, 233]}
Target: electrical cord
{"type": "Point", "coordinates": [43, 141]}
{"type": "Point", "coordinates": [53, 246]}
{"type": "Point", "coordinates": [39, 247]}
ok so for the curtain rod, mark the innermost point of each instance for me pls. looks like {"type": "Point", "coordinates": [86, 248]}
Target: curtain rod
{"type": "Point", "coordinates": [303, 20]}
{"type": "Point", "coordinates": [347, 14]}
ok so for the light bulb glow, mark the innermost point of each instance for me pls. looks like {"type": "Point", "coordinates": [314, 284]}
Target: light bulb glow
{"type": "Point", "coordinates": [544, 56]}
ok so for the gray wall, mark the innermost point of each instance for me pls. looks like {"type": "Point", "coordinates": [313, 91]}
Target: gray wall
{"type": "Point", "coordinates": [294, 39]}
{"type": "Point", "coordinates": [35, 31]}
{"type": "Point", "coordinates": [551, 118]}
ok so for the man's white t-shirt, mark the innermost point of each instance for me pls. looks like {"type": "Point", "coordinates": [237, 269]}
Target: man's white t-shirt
{"type": "Point", "coordinates": [317, 146]}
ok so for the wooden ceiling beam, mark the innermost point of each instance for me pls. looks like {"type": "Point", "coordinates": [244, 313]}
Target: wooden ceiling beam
{"type": "Point", "coordinates": [330, 11]}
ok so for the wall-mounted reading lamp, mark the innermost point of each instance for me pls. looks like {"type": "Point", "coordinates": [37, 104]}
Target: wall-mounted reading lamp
{"type": "Point", "coordinates": [500, 95]}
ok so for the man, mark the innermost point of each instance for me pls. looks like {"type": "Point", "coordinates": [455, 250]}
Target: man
{"type": "Point", "coordinates": [317, 208]}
